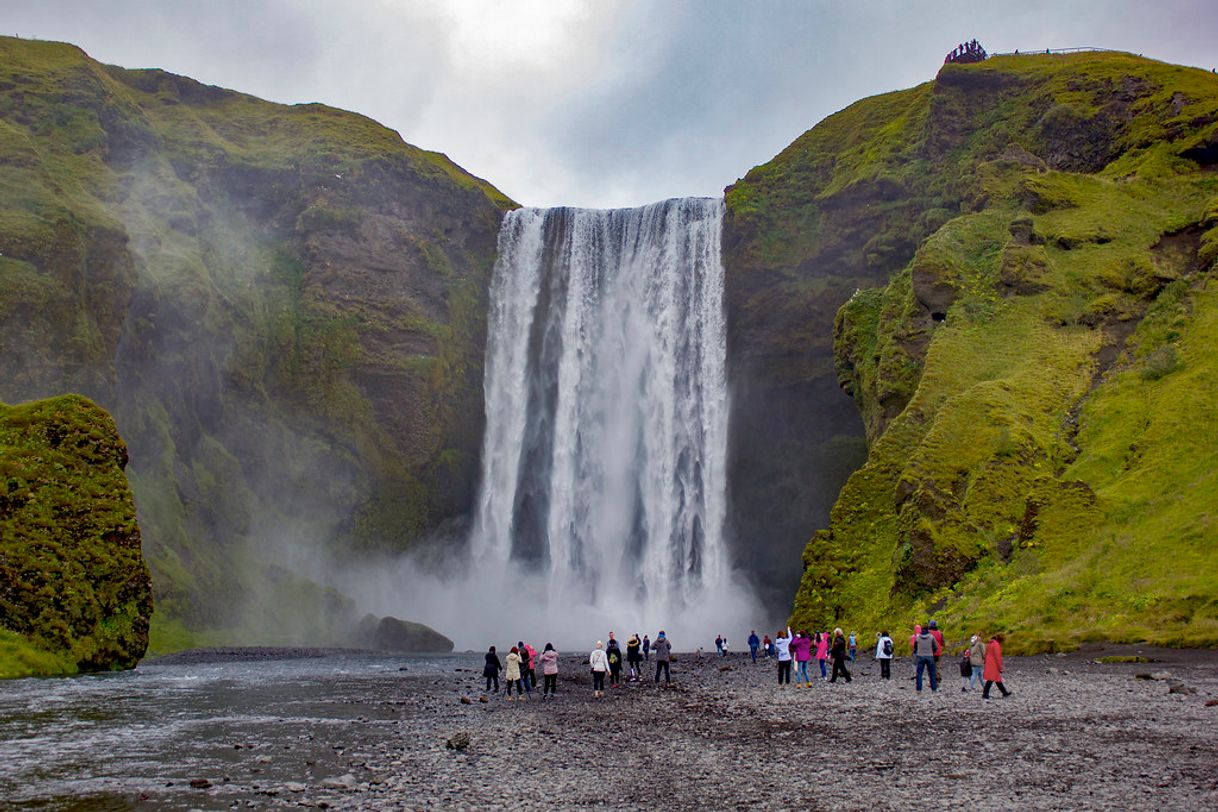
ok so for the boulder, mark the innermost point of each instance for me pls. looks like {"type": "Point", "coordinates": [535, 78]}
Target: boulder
{"type": "Point", "coordinates": [391, 634]}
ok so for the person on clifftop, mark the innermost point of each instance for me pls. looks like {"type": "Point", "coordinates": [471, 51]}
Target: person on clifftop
{"type": "Point", "coordinates": [754, 643]}
{"type": "Point", "coordinates": [993, 667]}
{"type": "Point", "coordinates": [663, 650]}
{"type": "Point", "coordinates": [491, 670]}
{"type": "Point", "coordinates": [838, 653]}
{"type": "Point", "coordinates": [599, 662]}
{"type": "Point", "coordinates": [549, 671]}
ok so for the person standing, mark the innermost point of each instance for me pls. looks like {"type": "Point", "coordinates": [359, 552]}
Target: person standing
{"type": "Point", "coordinates": [549, 671]}
{"type": "Point", "coordinates": [614, 654]}
{"type": "Point", "coordinates": [938, 635]}
{"type": "Point", "coordinates": [838, 653]}
{"type": "Point", "coordinates": [767, 646]}
{"type": "Point", "coordinates": [526, 667]}
{"type": "Point", "coordinates": [646, 647]}
{"type": "Point", "coordinates": [782, 645]}
{"type": "Point", "coordinates": [822, 653]}
{"type": "Point", "coordinates": [512, 674]}
{"type": "Point", "coordinates": [633, 657]}
{"type": "Point", "coordinates": [754, 643]}
{"type": "Point", "coordinates": [966, 670]}
{"type": "Point", "coordinates": [599, 662]}
{"type": "Point", "coordinates": [801, 651]}
{"type": "Point", "coordinates": [925, 649]}
{"type": "Point", "coordinates": [993, 667]}
{"type": "Point", "coordinates": [663, 650]}
{"type": "Point", "coordinates": [883, 653]}
{"type": "Point", "coordinates": [976, 655]}
{"type": "Point", "coordinates": [719, 644]}
{"type": "Point", "coordinates": [854, 646]}
{"type": "Point", "coordinates": [491, 670]}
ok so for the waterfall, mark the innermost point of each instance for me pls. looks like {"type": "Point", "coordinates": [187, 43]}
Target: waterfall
{"type": "Point", "coordinates": [603, 470]}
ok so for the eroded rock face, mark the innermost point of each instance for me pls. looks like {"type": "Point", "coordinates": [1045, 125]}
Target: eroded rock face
{"type": "Point", "coordinates": [72, 577]}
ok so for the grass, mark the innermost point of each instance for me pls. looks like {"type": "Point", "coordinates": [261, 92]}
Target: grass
{"type": "Point", "coordinates": [1041, 461]}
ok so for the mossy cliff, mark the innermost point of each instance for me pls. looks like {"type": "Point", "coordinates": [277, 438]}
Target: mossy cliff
{"type": "Point", "coordinates": [1035, 372]}
{"type": "Point", "coordinates": [282, 306]}
{"type": "Point", "coordinates": [75, 594]}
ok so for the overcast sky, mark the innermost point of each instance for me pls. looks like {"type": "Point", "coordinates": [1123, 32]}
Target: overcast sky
{"type": "Point", "coordinates": [599, 103]}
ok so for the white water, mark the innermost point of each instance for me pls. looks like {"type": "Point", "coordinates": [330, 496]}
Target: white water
{"type": "Point", "coordinates": [603, 490]}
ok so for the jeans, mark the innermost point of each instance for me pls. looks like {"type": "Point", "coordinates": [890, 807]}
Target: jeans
{"type": "Point", "coordinates": [927, 663]}
{"type": "Point", "coordinates": [823, 672]}
{"type": "Point", "coordinates": [801, 673]}
{"type": "Point", "coordinates": [784, 672]}
{"type": "Point", "coordinates": [527, 678]}
{"type": "Point", "coordinates": [662, 665]}
{"type": "Point", "coordinates": [492, 679]}
{"type": "Point", "coordinates": [885, 668]}
{"type": "Point", "coordinates": [753, 651]}
{"type": "Point", "coordinates": [551, 684]}
{"type": "Point", "coordinates": [977, 676]}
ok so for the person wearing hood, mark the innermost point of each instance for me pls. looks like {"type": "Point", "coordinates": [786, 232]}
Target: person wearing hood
{"type": "Point", "coordinates": [976, 656]}
{"type": "Point", "coordinates": [512, 674]}
{"type": "Point", "coordinates": [993, 667]}
{"type": "Point", "coordinates": [663, 650]}
{"type": "Point", "coordinates": [491, 670]}
{"type": "Point", "coordinates": [883, 652]}
{"type": "Point", "coordinates": [599, 662]}
{"type": "Point", "coordinates": [549, 671]}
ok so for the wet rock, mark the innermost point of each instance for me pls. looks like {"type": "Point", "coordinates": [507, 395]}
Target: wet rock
{"type": "Point", "coordinates": [1178, 687]}
{"type": "Point", "coordinates": [458, 741]}
{"type": "Point", "coordinates": [1211, 703]}
{"type": "Point", "coordinates": [200, 783]}
{"type": "Point", "coordinates": [346, 781]}
{"type": "Point", "coordinates": [484, 698]}
{"type": "Point", "coordinates": [465, 700]}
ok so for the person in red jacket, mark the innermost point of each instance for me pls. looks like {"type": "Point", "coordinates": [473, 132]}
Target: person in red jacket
{"type": "Point", "coordinates": [993, 667]}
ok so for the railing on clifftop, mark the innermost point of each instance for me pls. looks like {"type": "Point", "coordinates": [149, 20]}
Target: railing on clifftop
{"type": "Point", "coordinates": [1052, 51]}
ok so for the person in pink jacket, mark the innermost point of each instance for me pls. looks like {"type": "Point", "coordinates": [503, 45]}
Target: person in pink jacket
{"type": "Point", "coordinates": [549, 671]}
{"type": "Point", "coordinates": [801, 648]}
{"type": "Point", "coordinates": [822, 652]}
{"type": "Point", "coordinates": [993, 667]}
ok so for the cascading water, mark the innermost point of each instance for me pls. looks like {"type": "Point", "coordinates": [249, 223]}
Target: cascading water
{"type": "Point", "coordinates": [603, 479]}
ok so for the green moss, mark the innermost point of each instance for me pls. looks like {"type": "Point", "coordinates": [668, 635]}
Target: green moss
{"type": "Point", "coordinates": [1038, 462]}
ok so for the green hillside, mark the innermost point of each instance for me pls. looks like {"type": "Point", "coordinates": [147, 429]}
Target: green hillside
{"type": "Point", "coordinates": [1035, 379]}
{"type": "Point", "coordinates": [282, 306]}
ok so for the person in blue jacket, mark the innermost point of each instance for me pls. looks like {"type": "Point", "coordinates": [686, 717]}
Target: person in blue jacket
{"type": "Point", "coordinates": [754, 643]}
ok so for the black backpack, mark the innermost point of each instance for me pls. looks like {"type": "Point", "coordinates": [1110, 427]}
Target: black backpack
{"type": "Point", "coordinates": [888, 646]}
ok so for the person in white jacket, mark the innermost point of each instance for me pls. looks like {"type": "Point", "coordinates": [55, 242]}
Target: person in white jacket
{"type": "Point", "coordinates": [883, 653]}
{"type": "Point", "coordinates": [600, 666]}
{"type": "Point", "coordinates": [782, 644]}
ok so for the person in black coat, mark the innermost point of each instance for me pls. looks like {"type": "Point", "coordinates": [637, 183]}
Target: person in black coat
{"type": "Point", "coordinates": [491, 670]}
{"type": "Point", "coordinates": [838, 654]}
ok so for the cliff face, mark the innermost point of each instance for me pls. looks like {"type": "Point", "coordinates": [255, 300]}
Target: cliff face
{"type": "Point", "coordinates": [75, 594]}
{"type": "Point", "coordinates": [1034, 368]}
{"type": "Point", "coordinates": [283, 307]}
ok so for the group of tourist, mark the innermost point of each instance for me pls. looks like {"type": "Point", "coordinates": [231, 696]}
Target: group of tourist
{"type": "Point", "coordinates": [980, 662]}
{"type": "Point", "coordinates": [605, 662]}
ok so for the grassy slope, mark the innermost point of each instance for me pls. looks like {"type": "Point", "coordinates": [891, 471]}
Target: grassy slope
{"type": "Point", "coordinates": [163, 250]}
{"type": "Point", "coordinates": [74, 590]}
{"type": "Point", "coordinates": [1041, 460]}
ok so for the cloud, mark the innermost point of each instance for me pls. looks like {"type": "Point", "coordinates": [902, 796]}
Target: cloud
{"type": "Point", "coordinates": [593, 103]}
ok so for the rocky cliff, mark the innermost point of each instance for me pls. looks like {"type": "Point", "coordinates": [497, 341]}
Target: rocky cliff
{"type": "Point", "coordinates": [75, 594]}
{"type": "Point", "coordinates": [1030, 347]}
{"type": "Point", "coordinates": [283, 308]}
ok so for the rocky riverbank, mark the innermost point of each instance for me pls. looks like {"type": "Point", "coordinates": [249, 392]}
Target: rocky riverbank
{"type": "Point", "coordinates": [353, 733]}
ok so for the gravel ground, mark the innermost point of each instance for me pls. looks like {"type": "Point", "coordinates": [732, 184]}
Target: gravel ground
{"type": "Point", "coordinates": [1075, 734]}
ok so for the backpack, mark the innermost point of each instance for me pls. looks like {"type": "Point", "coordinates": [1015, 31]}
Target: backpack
{"type": "Point", "coordinates": [887, 646]}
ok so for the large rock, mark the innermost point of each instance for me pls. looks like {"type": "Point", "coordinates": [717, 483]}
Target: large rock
{"type": "Point", "coordinates": [391, 634]}
{"type": "Point", "coordinates": [73, 583]}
